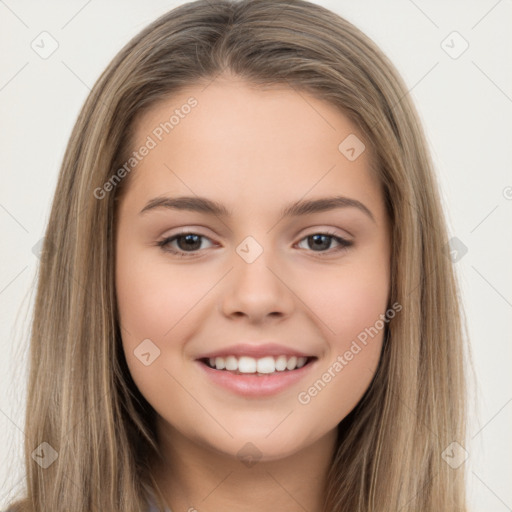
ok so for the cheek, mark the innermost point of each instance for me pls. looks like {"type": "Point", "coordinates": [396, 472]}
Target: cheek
{"type": "Point", "coordinates": [154, 323]}
{"type": "Point", "coordinates": [346, 300]}
{"type": "Point", "coordinates": [362, 300]}
{"type": "Point", "coordinates": [153, 298]}
{"type": "Point", "coordinates": [350, 304]}
{"type": "Point", "coordinates": [160, 303]}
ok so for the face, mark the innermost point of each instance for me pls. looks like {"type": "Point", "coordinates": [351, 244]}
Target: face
{"type": "Point", "coordinates": [245, 284]}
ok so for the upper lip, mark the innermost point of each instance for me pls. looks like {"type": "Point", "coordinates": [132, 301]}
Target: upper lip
{"type": "Point", "coordinates": [255, 350]}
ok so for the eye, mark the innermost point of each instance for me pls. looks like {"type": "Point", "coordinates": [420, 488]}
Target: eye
{"type": "Point", "coordinates": [187, 243]}
{"type": "Point", "coordinates": [321, 241]}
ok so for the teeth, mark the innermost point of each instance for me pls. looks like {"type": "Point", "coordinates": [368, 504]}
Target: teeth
{"type": "Point", "coordinates": [231, 363]}
{"type": "Point", "coordinates": [281, 363]}
{"type": "Point", "coordinates": [246, 365]}
{"type": "Point", "coordinates": [292, 363]}
{"type": "Point", "coordinates": [264, 365]}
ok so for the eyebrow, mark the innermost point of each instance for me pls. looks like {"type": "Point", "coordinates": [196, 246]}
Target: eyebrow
{"type": "Point", "coordinates": [301, 207]}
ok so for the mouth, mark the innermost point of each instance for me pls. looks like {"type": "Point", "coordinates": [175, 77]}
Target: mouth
{"type": "Point", "coordinates": [261, 367]}
{"type": "Point", "coordinates": [256, 371]}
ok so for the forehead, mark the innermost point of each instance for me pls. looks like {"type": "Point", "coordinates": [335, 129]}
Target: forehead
{"type": "Point", "coordinates": [273, 117]}
{"type": "Point", "coordinates": [263, 143]}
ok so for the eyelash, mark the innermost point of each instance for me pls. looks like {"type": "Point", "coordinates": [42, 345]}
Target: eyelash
{"type": "Point", "coordinates": [164, 244]}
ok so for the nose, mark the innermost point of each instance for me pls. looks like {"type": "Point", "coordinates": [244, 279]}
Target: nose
{"type": "Point", "coordinates": [257, 290]}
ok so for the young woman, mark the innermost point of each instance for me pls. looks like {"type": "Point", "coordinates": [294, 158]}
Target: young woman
{"type": "Point", "coordinates": [244, 300]}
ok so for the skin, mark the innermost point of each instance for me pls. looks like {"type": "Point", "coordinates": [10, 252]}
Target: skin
{"type": "Point", "coordinates": [254, 150]}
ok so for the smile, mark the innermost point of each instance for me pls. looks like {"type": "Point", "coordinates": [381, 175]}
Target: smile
{"type": "Point", "coordinates": [256, 377]}
{"type": "Point", "coordinates": [259, 366]}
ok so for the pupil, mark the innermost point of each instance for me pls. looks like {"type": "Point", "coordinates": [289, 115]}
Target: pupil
{"type": "Point", "coordinates": [321, 245]}
{"type": "Point", "coordinates": [192, 241]}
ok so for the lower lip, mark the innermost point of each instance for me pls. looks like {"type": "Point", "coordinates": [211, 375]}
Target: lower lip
{"type": "Point", "coordinates": [250, 385]}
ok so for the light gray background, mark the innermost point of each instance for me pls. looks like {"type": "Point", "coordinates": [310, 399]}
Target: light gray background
{"type": "Point", "coordinates": [465, 104]}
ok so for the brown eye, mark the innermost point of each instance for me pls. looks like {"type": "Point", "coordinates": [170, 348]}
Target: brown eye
{"type": "Point", "coordinates": [186, 243]}
{"type": "Point", "coordinates": [322, 242]}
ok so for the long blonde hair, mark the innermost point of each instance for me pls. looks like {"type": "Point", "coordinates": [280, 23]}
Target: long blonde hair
{"type": "Point", "coordinates": [81, 398]}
